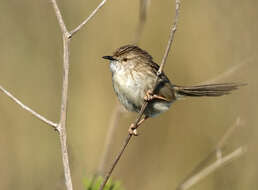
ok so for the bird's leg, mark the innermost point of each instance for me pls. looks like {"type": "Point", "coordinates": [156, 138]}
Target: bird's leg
{"type": "Point", "coordinates": [132, 129]}
{"type": "Point", "coordinates": [150, 96]}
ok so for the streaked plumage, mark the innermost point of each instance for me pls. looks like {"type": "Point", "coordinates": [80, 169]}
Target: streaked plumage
{"type": "Point", "coordinates": [134, 73]}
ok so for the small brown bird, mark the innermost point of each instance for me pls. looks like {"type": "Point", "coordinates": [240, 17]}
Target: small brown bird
{"type": "Point", "coordinates": [134, 75]}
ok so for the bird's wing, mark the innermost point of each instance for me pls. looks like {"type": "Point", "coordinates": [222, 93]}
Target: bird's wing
{"type": "Point", "coordinates": [164, 88]}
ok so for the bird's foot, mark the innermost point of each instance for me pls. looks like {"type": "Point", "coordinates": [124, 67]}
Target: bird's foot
{"type": "Point", "coordinates": [132, 130]}
{"type": "Point", "coordinates": [150, 96]}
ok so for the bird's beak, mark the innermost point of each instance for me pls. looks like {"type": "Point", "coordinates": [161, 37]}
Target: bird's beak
{"type": "Point", "coordinates": [109, 58]}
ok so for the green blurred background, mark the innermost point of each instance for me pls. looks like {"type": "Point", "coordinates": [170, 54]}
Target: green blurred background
{"type": "Point", "coordinates": [212, 37]}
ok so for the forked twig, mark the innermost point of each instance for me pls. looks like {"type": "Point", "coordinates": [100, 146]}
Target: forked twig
{"type": "Point", "coordinates": [211, 168]}
{"type": "Point", "coordinates": [60, 127]}
{"type": "Point", "coordinates": [63, 112]}
{"type": "Point", "coordinates": [194, 176]}
{"type": "Point", "coordinates": [140, 114]}
{"type": "Point", "coordinates": [62, 124]}
{"type": "Point", "coordinates": [88, 18]}
{"type": "Point", "coordinates": [23, 106]}
{"type": "Point", "coordinates": [59, 17]}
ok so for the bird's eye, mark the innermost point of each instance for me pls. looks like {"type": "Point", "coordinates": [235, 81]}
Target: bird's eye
{"type": "Point", "coordinates": [125, 59]}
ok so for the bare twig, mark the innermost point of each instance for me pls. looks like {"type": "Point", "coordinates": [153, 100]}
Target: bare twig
{"type": "Point", "coordinates": [126, 141]}
{"type": "Point", "coordinates": [129, 136]}
{"type": "Point", "coordinates": [142, 19]}
{"type": "Point", "coordinates": [140, 114]}
{"type": "Point", "coordinates": [216, 151]}
{"type": "Point", "coordinates": [171, 38]}
{"type": "Point", "coordinates": [117, 110]}
{"type": "Point", "coordinates": [228, 133]}
{"type": "Point", "coordinates": [63, 112]}
{"type": "Point", "coordinates": [225, 74]}
{"type": "Point", "coordinates": [37, 115]}
{"type": "Point", "coordinates": [211, 168]}
{"type": "Point", "coordinates": [61, 126]}
{"type": "Point", "coordinates": [108, 142]}
{"type": "Point", "coordinates": [59, 17]}
{"type": "Point", "coordinates": [88, 18]}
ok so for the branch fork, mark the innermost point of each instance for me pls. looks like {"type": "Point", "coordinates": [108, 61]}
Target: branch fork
{"type": "Point", "coordinates": [61, 126]}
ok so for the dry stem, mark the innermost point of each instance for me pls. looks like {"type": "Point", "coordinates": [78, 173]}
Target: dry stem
{"type": "Point", "coordinates": [211, 168]}
{"type": "Point", "coordinates": [171, 38]}
{"type": "Point", "coordinates": [109, 137]}
{"type": "Point", "coordinates": [23, 106]}
{"type": "Point", "coordinates": [140, 114]}
{"type": "Point", "coordinates": [117, 110]}
{"type": "Point", "coordinates": [198, 172]}
{"type": "Point", "coordinates": [142, 19]}
{"type": "Point", "coordinates": [225, 74]}
{"type": "Point", "coordinates": [63, 112]}
{"type": "Point", "coordinates": [60, 127]}
{"type": "Point", "coordinates": [88, 18]}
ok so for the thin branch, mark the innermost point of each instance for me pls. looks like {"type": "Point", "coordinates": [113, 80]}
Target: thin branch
{"type": "Point", "coordinates": [211, 168]}
{"type": "Point", "coordinates": [126, 141]}
{"type": "Point", "coordinates": [88, 19]}
{"type": "Point", "coordinates": [108, 142]}
{"type": "Point", "coordinates": [129, 136]}
{"type": "Point", "coordinates": [142, 19]}
{"type": "Point", "coordinates": [225, 74]}
{"type": "Point", "coordinates": [61, 126]}
{"type": "Point", "coordinates": [63, 113]}
{"type": "Point", "coordinates": [62, 123]}
{"type": "Point", "coordinates": [23, 106]}
{"type": "Point", "coordinates": [216, 150]}
{"type": "Point", "coordinates": [117, 111]}
{"type": "Point", "coordinates": [171, 38]}
{"type": "Point", "coordinates": [140, 114]}
{"type": "Point", "coordinates": [60, 18]}
{"type": "Point", "coordinates": [228, 133]}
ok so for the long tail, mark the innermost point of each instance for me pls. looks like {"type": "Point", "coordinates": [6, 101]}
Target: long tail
{"type": "Point", "coordinates": [207, 90]}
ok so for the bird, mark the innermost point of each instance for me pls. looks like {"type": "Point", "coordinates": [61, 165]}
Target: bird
{"type": "Point", "coordinates": [134, 75]}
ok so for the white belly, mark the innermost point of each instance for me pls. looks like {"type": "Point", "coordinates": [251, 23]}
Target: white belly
{"type": "Point", "coordinates": [129, 90]}
{"type": "Point", "coordinates": [131, 87]}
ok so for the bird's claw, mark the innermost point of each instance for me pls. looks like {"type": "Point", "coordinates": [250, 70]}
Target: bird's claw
{"type": "Point", "coordinates": [150, 96]}
{"type": "Point", "coordinates": [132, 130]}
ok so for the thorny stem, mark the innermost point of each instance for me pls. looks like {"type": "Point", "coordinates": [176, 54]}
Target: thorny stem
{"type": "Point", "coordinates": [140, 114]}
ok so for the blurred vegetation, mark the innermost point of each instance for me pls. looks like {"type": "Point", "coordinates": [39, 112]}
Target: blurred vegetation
{"type": "Point", "coordinates": [212, 37]}
{"type": "Point", "coordinates": [94, 184]}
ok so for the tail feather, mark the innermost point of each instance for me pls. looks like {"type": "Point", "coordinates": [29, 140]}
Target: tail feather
{"type": "Point", "coordinates": [207, 90]}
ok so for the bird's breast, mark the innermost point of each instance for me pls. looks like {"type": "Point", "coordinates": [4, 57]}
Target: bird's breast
{"type": "Point", "coordinates": [129, 86]}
